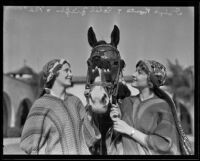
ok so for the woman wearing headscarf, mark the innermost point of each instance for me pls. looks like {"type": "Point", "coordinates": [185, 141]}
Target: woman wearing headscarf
{"type": "Point", "coordinates": [58, 122]}
{"type": "Point", "coordinates": [147, 124]}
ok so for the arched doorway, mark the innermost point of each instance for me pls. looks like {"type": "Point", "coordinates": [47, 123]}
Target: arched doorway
{"type": "Point", "coordinates": [22, 113]}
{"type": "Point", "coordinates": [5, 118]}
{"type": "Point", "coordinates": [6, 114]}
{"type": "Point", "coordinates": [185, 119]}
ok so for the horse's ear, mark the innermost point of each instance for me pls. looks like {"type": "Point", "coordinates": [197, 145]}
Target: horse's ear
{"type": "Point", "coordinates": [92, 37]}
{"type": "Point", "coordinates": [115, 36]}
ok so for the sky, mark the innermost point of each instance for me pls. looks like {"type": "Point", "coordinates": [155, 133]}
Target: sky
{"type": "Point", "coordinates": [35, 35]}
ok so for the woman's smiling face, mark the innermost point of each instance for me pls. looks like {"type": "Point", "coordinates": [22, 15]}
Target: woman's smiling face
{"type": "Point", "coordinates": [65, 75]}
{"type": "Point", "coordinates": [140, 80]}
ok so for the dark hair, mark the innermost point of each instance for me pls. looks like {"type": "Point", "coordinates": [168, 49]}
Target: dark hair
{"type": "Point", "coordinates": [123, 91]}
{"type": "Point", "coordinates": [46, 85]}
{"type": "Point", "coordinates": [143, 66]}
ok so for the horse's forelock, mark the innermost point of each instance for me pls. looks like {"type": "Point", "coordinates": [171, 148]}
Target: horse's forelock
{"type": "Point", "coordinates": [101, 42]}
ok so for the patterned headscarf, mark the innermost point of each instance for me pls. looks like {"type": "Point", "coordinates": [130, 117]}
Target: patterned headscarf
{"type": "Point", "coordinates": [155, 70]}
{"type": "Point", "coordinates": [157, 75]}
{"type": "Point", "coordinates": [50, 69]}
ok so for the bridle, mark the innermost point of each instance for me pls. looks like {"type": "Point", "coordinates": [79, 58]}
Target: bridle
{"type": "Point", "coordinates": [108, 57]}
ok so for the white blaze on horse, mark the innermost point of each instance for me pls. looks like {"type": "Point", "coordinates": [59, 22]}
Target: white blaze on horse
{"type": "Point", "coordinates": [99, 98]}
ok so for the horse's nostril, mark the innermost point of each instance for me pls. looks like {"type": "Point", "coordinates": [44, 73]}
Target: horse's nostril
{"type": "Point", "coordinates": [104, 99]}
{"type": "Point", "coordinates": [104, 96]}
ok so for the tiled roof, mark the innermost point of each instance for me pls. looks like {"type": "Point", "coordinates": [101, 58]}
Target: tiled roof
{"type": "Point", "coordinates": [23, 70]}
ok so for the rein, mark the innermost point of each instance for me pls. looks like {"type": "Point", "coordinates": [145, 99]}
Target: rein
{"type": "Point", "coordinates": [111, 55]}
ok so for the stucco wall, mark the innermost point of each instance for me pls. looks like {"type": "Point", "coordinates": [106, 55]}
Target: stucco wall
{"type": "Point", "coordinates": [17, 91]}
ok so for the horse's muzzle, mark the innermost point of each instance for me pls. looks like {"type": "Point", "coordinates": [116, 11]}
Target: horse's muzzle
{"type": "Point", "coordinates": [99, 99]}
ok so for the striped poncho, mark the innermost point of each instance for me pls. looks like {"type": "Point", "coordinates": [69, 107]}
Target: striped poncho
{"type": "Point", "coordinates": [152, 117]}
{"type": "Point", "coordinates": [54, 126]}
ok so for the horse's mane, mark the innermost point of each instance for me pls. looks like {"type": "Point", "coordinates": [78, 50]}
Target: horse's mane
{"type": "Point", "coordinates": [123, 91]}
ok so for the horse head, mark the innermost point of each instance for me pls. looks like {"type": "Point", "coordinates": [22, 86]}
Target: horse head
{"type": "Point", "coordinates": [104, 69]}
{"type": "Point", "coordinates": [104, 83]}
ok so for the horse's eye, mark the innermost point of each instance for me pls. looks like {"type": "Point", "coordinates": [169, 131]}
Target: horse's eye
{"type": "Point", "coordinates": [115, 63]}
{"type": "Point", "coordinates": [96, 57]}
{"type": "Point", "coordinates": [89, 63]}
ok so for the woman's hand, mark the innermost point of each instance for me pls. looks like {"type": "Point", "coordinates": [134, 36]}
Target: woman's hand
{"type": "Point", "coordinates": [122, 127]}
{"type": "Point", "coordinates": [115, 112]}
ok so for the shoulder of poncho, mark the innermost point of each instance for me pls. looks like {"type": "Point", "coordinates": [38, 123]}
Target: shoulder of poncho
{"type": "Point", "coordinates": [129, 99]}
{"type": "Point", "coordinates": [155, 99]}
{"type": "Point", "coordinates": [45, 102]}
{"type": "Point", "coordinates": [157, 105]}
{"type": "Point", "coordinates": [44, 99]}
{"type": "Point", "coordinates": [126, 104]}
{"type": "Point", "coordinates": [158, 101]}
{"type": "Point", "coordinates": [71, 97]}
{"type": "Point", "coordinates": [38, 107]}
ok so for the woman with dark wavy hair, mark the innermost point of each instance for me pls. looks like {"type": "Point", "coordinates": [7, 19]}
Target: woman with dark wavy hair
{"type": "Point", "coordinates": [148, 122]}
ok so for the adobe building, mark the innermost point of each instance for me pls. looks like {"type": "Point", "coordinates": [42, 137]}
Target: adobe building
{"type": "Point", "coordinates": [19, 92]}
